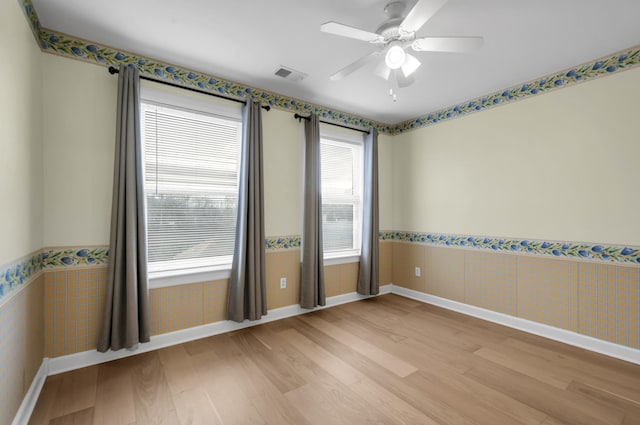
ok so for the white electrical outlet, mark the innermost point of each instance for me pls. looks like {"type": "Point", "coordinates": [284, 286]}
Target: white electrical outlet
{"type": "Point", "coordinates": [418, 272]}
{"type": "Point", "coordinates": [283, 282]}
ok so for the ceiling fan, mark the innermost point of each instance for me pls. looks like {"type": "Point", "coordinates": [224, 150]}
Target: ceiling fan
{"type": "Point", "coordinates": [394, 37]}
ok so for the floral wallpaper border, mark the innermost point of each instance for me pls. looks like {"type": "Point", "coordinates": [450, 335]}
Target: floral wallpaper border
{"type": "Point", "coordinates": [571, 250]}
{"type": "Point", "coordinates": [56, 257]}
{"type": "Point", "coordinates": [65, 45]}
{"type": "Point", "coordinates": [282, 242]}
{"type": "Point", "coordinates": [15, 275]}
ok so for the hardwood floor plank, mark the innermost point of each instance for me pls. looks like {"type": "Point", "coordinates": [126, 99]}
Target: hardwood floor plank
{"type": "Point", "coordinates": [386, 402]}
{"type": "Point", "coordinates": [624, 380]}
{"type": "Point", "coordinates": [398, 410]}
{"type": "Point", "coordinates": [384, 359]}
{"type": "Point", "coordinates": [274, 367]}
{"type": "Point", "coordinates": [266, 397]}
{"type": "Point", "coordinates": [152, 397]}
{"type": "Point", "coordinates": [497, 400]}
{"type": "Point", "coordinates": [178, 368]}
{"type": "Point", "coordinates": [329, 401]}
{"type": "Point", "coordinates": [564, 405]}
{"type": "Point", "coordinates": [630, 408]}
{"type": "Point", "coordinates": [79, 387]}
{"type": "Point", "coordinates": [44, 406]}
{"type": "Point", "coordinates": [327, 361]}
{"type": "Point", "coordinates": [390, 381]}
{"type": "Point", "coordinates": [522, 365]}
{"type": "Point", "coordinates": [114, 395]}
{"type": "Point", "coordinates": [194, 407]}
{"type": "Point", "coordinates": [82, 417]}
{"type": "Point", "coordinates": [219, 379]}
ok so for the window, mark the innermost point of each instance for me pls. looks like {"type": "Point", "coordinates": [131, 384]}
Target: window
{"type": "Point", "coordinates": [341, 163]}
{"type": "Point", "coordinates": [192, 158]}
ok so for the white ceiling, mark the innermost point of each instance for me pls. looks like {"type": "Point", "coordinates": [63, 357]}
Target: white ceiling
{"type": "Point", "coordinates": [247, 40]}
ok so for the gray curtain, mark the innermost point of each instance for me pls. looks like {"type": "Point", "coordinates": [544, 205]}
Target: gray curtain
{"type": "Point", "coordinates": [368, 275]}
{"type": "Point", "coordinates": [312, 293]}
{"type": "Point", "coordinates": [247, 297]}
{"type": "Point", "coordinates": [125, 321]}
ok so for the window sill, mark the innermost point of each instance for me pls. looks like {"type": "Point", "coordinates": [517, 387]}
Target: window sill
{"type": "Point", "coordinates": [170, 278]}
{"type": "Point", "coordinates": [333, 260]}
{"type": "Point", "coordinates": [186, 276]}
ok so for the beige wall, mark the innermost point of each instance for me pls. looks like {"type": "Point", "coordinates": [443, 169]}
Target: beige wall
{"type": "Point", "coordinates": [20, 137]}
{"type": "Point", "coordinates": [79, 140]}
{"type": "Point", "coordinates": [560, 166]}
{"type": "Point", "coordinates": [282, 138]}
{"type": "Point", "coordinates": [385, 181]}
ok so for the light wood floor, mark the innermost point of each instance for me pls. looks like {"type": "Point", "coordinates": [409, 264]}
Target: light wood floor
{"type": "Point", "coordinates": [387, 360]}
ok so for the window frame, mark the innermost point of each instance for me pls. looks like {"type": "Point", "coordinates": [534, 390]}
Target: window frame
{"type": "Point", "coordinates": [186, 101]}
{"type": "Point", "coordinates": [355, 139]}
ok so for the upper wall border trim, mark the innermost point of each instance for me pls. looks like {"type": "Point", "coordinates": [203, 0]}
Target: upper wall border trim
{"type": "Point", "coordinates": [625, 59]}
{"type": "Point", "coordinates": [69, 46]}
{"type": "Point", "coordinates": [570, 250]}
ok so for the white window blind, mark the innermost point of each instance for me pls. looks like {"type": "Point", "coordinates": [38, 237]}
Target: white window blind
{"type": "Point", "coordinates": [341, 175]}
{"type": "Point", "coordinates": [191, 185]}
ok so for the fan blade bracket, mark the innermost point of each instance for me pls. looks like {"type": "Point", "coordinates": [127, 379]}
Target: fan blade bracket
{"type": "Point", "coordinates": [342, 30]}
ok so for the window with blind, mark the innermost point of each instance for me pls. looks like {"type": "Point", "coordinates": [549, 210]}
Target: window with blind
{"type": "Point", "coordinates": [192, 159]}
{"type": "Point", "coordinates": [341, 169]}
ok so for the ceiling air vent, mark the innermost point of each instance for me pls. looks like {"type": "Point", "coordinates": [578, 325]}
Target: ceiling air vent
{"type": "Point", "coordinates": [290, 74]}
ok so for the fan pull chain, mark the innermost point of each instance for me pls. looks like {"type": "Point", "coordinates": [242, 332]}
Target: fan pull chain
{"type": "Point", "coordinates": [393, 95]}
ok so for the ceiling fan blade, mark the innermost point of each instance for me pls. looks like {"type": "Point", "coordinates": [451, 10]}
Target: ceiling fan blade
{"type": "Point", "coordinates": [402, 80]}
{"type": "Point", "coordinates": [351, 32]}
{"type": "Point", "coordinates": [410, 65]}
{"type": "Point", "coordinates": [421, 13]}
{"type": "Point", "coordinates": [382, 70]}
{"type": "Point", "coordinates": [355, 66]}
{"type": "Point", "coordinates": [446, 44]}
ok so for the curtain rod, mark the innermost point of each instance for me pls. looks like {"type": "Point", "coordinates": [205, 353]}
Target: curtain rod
{"type": "Point", "coordinates": [301, 117]}
{"type": "Point", "coordinates": [113, 70]}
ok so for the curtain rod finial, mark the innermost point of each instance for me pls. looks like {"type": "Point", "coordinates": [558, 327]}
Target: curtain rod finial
{"type": "Point", "coordinates": [113, 70]}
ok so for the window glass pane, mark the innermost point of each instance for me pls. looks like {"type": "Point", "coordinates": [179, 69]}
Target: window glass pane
{"type": "Point", "coordinates": [337, 169]}
{"type": "Point", "coordinates": [191, 185]}
{"type": "Point", "coordinates": [337, 226]}
{"type": "Point", "coordinates": [341, 169]}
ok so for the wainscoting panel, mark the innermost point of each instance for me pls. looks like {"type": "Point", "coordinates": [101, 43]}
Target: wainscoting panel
{"type": "Point", "coordinates": [547, 291]}
{"type": "Point", "coordinates": [444, 273]}
{"type": "Point", "coordinates": [406, 257]}
{"type": "Point", "coordinates": [283, 263]}
{"type": "Point", "coordinates": [490, 281]}
{"type": "Point", "coordinates": [21, 344]}
{"type": "Point", "coordinates": [609, 303]}
{"type": "Point", "coordinates": [74, 299]}
{"type": "Point", "coordinates": [589, 297]}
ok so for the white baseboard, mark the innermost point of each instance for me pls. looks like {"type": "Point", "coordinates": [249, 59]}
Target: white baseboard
{"type": "Point", "coordinates": [29, 401]}
{"type": "Point", "coordinates": [572, 338]}
{"type": "Point", "coordinates": [93, 357]}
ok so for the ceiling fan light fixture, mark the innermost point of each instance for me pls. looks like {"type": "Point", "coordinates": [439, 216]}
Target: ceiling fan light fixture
{"type": "Point", "coordinates": [410, 65]}
{"type": "Point", "coordinates": [395, 56]}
